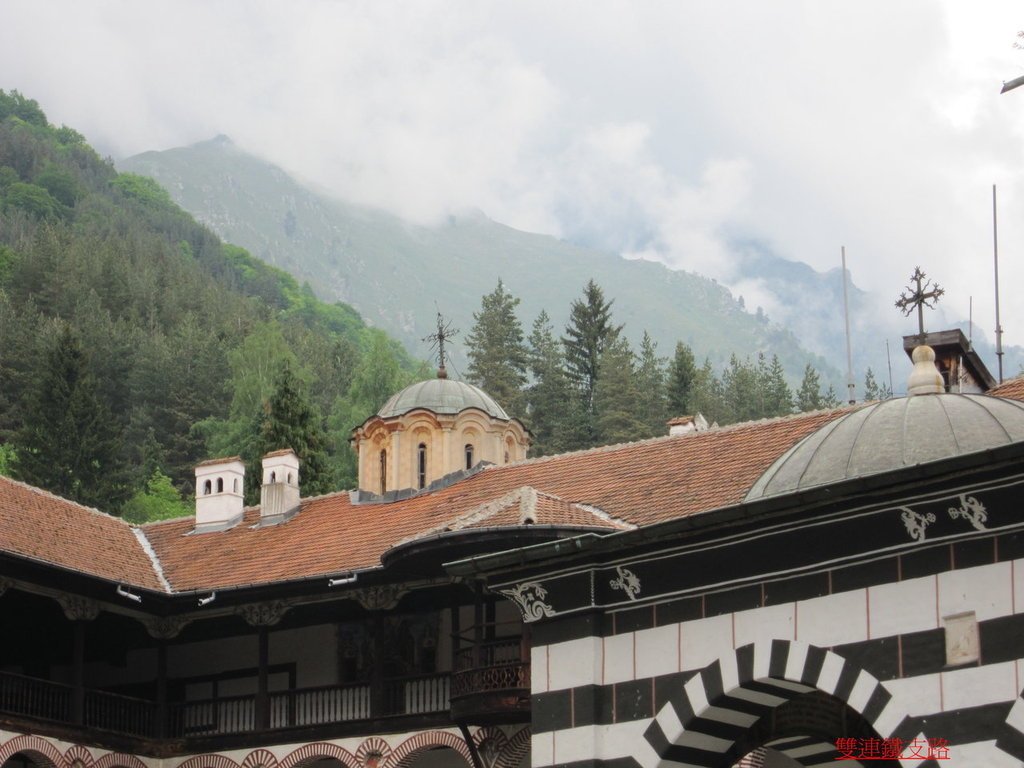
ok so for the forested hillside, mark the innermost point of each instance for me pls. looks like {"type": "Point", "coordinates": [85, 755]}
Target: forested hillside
{"type": "Point", "coordinates": [134, 343]}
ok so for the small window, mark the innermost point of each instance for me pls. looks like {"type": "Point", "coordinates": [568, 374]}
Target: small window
{"type": "Point", "coordinates": [469, 455]}
{"type": "Point", "coordinates": [220, 485]}
{"type": "Point", "coordinates": [207, 488]}
{"type": "Point", "coordinates": [273, 477]}
{"type": "Point", "coordinates": [506, 457]}
{"type": "Point", "coordinates": [234, 485]}
{"type": "Point", "coordinates": [383, 472]}
{"type": "Point", "coordinates": [289, 478]}
{"type": "Point", "coordinates": [421, 465]}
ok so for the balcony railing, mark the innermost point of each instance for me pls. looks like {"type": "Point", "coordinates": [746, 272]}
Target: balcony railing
{"type": "Point", "coordinates": [46, 701]}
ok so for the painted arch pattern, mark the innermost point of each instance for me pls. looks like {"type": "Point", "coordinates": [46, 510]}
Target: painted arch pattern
{"type": "Point", "coordinates": [716, 707]}
{"type": "Point", "coordinates": [373, 752]}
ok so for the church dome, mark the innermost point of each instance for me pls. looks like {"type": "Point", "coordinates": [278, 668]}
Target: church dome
{"type": "Point", "coordinates": [441, 396]}
{"type": "Point", "coordinates": [891, 434]}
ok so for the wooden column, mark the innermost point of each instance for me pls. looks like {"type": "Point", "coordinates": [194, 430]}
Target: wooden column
{"type": "Point", "coordinates": [161, 689]}
{"type": "Point", "coordinates": [378, 700]}
{"type": "Point", "coordinates": [262, 683]}
{"type": "Point", "coordinates": [478, 625]}
{"type": "Point", "coordinates": [78, 693]}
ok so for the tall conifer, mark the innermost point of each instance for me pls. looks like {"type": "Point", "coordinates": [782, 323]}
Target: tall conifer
{"type": "Point", "coordinates": [69, 443]}
{"type": "Point", "coordinates": [589, 333]}
{"type": "Point", "coordinates": [497, 354]}
{"type": "Point", "coordinates": [681, 374]}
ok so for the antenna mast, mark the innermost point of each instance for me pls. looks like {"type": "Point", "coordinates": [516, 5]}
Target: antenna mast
{"type": "Point", "coordinates": [995, 254]}
{"type": "Point", "coordinates": [849, 353]}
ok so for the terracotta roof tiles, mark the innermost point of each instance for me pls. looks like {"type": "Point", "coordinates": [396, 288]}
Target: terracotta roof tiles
{"type": "Point", "coordinates": [40, 526]}
{"type": "Point", "coordinates": [612, 487]}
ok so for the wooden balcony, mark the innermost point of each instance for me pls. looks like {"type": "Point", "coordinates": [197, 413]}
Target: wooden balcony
{"type": "Point", "coordinates": [491, 683]}
{"type": "Point", "coordinates": [123, 722]}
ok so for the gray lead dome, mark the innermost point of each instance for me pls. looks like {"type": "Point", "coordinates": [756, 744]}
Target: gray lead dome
{"type": "Point", "coordinates": [442, 396]}
{"type": "Point", "coordinates": [893, 434]}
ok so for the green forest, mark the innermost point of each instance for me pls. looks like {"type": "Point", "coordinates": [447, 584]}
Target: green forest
{"type": "Point", "coordinates": [134, 344]}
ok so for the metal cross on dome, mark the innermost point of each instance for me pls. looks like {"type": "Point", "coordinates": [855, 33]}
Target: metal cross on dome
{"type": "Point", "coordinates": [922, 293]}
{"type": "Point", "coordinates": [444, 333]}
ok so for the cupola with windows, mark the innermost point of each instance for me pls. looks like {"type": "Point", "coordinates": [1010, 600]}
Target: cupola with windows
{"type": "Point", "coordinates": [431, 429]}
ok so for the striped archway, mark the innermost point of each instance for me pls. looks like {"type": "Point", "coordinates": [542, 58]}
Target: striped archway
{"type": "Point", "coordinates": [405, 753]}
{"type": "Point", "coordinates": [708, 721]}
{"type": "Point", "coordinates": [41, 751]}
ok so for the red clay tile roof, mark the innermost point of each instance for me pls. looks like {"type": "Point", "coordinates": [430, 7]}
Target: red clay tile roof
{"type": "Point", "coordinates": [1011, 388]}
{"type": "Point", "coordinates": [637, 483]}
{"type": "Point", "coordinates": [38, 525]}
{"type": "Point", "coordinates": [614, 487]}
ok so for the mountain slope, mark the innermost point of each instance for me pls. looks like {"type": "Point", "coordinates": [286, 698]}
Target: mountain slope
{"type": "Point", "coordinates": [398, 275]}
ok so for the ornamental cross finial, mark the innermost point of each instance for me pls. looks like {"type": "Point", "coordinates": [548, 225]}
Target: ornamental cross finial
{"type": "Point", "coordinates": [922, 293]}
{"type": "Point", "coordinates": [444, 333]}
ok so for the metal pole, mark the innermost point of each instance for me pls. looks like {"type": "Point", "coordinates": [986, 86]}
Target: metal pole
{"type": "Point", "coordinates": [995, 253]}
{"type": "Point", "coordinates": [888, 358]}
{"type": "Point", "coordinates": [849, 353]}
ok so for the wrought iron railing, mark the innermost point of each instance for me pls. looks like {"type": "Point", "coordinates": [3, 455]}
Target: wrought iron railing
{"type": "Point", "coordinates": [492, 665]}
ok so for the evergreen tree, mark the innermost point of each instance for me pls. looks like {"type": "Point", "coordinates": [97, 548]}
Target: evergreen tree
{"type": "Point", "coordinates": [776, 394]}
{"type": "Point", "coordinates": [652, 403]}
{"type": "Point", "coordinates": [69, 443]}
{"type": "Point", "coordinates": [830, 399]}
{"type": "Point", "coordinates": [741, 391]}
{"type": "Point", "coordinates": [808, 396]}
{"type": "Point", "coordinates": [681, 374]}
{"type": "Point", "coordinates": [551, 419]}
{"type": "Point", "coordinates": [590, 331]}
{"type": "Point", "coordinates": [497, 354]}
{"type": "Point", "coordinates": [616, 396]}
{"type": "Point", "coordinates": [873, 390]}
{"type": "Point", "coordinates": [706, 395]}
{"type": "Point", "coordinates": [289, 421]}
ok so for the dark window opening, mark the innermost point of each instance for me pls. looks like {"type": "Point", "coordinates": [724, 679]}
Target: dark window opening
{"type": "Point", "coordinates": [469, 455]}
{"type": "Point", "coordinates": [207, 488]}
{"type": "Point", "coordinates": [383, 472]}
{"type": "Point", "coordinates": [421, 467]}
{"type": "Point", "coordinates": [220, 485]}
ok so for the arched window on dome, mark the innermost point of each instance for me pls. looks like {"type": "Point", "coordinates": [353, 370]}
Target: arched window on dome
{"type": "Point", "coordinates": [383, 471]}
{"type": "Point", "coordinates": [421, 465]}
{"type": "Point", "coordinates": [469, 455]}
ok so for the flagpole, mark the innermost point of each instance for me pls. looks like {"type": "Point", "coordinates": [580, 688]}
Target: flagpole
{"type": "Point", "coordinates": [995, 254]}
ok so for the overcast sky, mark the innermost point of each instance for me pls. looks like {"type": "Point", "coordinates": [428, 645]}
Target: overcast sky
{"type": "Point", "coordinates": [661, 129]}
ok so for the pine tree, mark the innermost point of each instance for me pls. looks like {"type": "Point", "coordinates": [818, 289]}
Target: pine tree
{"type": "Point", "coordinates": [548, 398]}
{"type": "Point", "coordinates": [873, 390]}
{"type": "Point", "coordinates": [497, 354]}
{"type": "Point", "coordinates": [652, 403]}
{"type": "Point", "coordinates": [741, 390]}
{"type": "Point", "coordinates": [288, 420]}
{"type": "Point", "coordinates": [808, 396]}
{"type": "Point", "coordinates": [777, 396]}
{"type": "Point", "coordinates": [706, 395]}
{"type": "Point", "coordinates": [681, 374]}
{"type": "Point", "coordinates": [69, 443]}
{"type": "Point", "coordinates": [589, 333]}
{"type": "Point", "coordinates": [616, 395]}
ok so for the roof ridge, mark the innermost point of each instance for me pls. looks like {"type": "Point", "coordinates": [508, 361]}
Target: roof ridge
{"type": "Point", "coordinates": [662, 438]}
{"type": "Point", "coordinates": [158, 568]}
{"type": "Point", "coordinates": [600, 514]}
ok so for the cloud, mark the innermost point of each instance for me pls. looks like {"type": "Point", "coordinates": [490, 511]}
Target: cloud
{"type": "Point", "coordinates": [662, 130]}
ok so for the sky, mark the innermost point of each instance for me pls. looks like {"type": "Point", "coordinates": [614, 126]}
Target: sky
{"type": "Point", "coordinates": [661, 130]}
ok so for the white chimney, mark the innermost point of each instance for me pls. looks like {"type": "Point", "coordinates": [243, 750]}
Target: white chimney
{"type": "Point", "coordinates": [279, 494]}
{"type": "Point", "coordinates": [683, 424]}
{"type": "Point", "coordinates": [219, 493]}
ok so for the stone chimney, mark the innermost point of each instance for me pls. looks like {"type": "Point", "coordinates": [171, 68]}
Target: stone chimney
{"type": "Point", "coordinates": [683, 424]}
{"type": "Point", "coordinates": [220, 485]}
{"type": "Point", "coordinates": [279, 494]}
